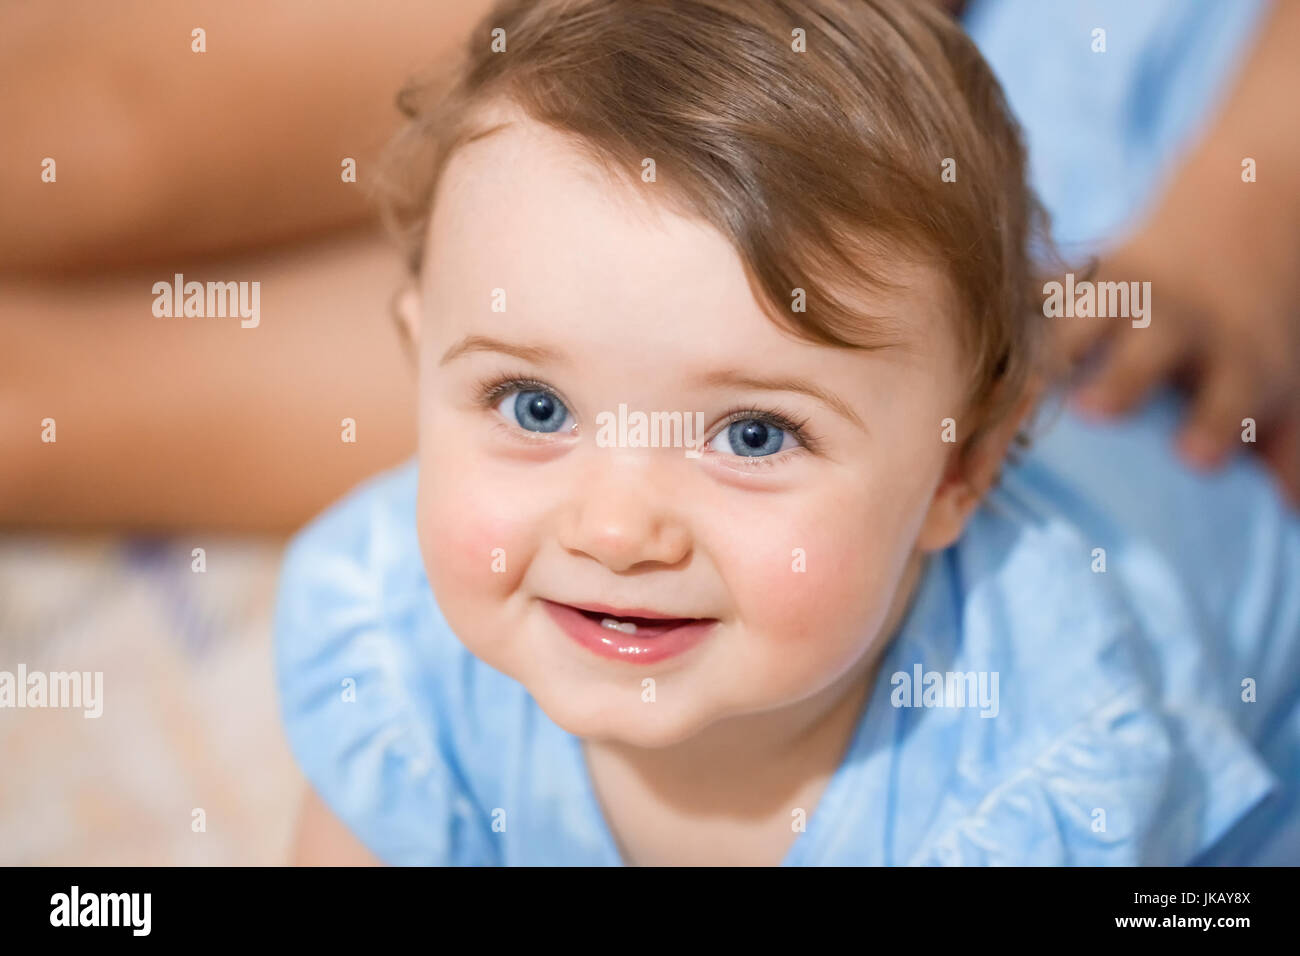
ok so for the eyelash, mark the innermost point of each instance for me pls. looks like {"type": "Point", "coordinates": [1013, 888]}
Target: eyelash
{"type": "Point", "coordinates": [784, 420]}
{"type": "Point", "coordinates": [492, 391]}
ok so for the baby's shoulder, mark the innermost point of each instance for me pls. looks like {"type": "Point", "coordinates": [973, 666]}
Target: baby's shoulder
{"type": "Point", "coordinates": [1145, 626]}
{"type": "Point", "coordinates": [380, 701]}
{"type": "Point", "coordinates": [1209, 562]}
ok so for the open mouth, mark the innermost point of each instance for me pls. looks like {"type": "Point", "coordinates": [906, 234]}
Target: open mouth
{"type": "Point", "coordinates": [629, 634]}
{"type": "Point", "coordinates": [634, 624]}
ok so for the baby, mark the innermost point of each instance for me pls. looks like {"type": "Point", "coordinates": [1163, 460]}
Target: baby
{"type": "Point", "coordinates": [829, 628]}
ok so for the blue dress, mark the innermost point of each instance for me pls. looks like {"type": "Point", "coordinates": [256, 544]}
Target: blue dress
{"type": "Point", "coordinates": [1147, 713]}
{"type": "Point", "coordinates": [1122, 691]}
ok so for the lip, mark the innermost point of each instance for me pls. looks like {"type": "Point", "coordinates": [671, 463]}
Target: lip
{"type": "Point", "coordinates": [624, 612]}
{"type": "Point", "coordinates": [650, 645]}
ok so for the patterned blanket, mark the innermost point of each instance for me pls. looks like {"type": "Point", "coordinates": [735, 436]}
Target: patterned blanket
{"type": "Point", "coordinates": [187, 763]}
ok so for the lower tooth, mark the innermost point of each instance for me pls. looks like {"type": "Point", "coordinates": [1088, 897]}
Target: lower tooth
{"type": "Point", "coordinates": [627, 627]}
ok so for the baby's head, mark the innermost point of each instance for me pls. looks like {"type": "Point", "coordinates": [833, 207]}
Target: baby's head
{"type": "Point", "coordinates": [803, 224]}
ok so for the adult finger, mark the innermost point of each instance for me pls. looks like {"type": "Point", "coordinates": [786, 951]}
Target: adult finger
{"type": "Point", "coordinates": [1080, 336]}
{"type": "Point", "coordinates": [1139, 359]}
{"type": "Point", "coordinates": [1226, 397]}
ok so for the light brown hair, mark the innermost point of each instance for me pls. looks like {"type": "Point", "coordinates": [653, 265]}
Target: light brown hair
{"type": "Point", "coordinates": [818, 166]}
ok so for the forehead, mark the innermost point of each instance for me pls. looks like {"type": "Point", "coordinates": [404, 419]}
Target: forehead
{"type": "Point", "coordinates": [524, 202]}
{"type": "Point", "coordinates": [526, 210]}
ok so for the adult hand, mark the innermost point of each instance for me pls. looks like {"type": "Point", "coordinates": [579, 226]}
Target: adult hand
{"type": "Point", "coordinates": [1222, 253]}
{"type": "Point", "coordinates": [1224, 325]}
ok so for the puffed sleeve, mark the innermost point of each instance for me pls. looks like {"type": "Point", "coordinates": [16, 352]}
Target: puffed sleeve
{"type": "Point", "coordinates": [1140, 749]}
{"type": "Point", "coordinates": [358, 685]}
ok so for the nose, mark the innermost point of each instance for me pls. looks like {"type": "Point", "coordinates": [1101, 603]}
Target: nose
{"type": "Point", "coordinates": [623, 518]}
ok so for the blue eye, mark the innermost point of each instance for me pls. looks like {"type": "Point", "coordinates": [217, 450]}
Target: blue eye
{"type": "Point", "coordinates": [534, 410]}
{"type": "Point", "coordinates": [753, 438]}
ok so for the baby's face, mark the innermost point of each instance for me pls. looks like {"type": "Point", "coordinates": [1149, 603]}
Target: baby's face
{"type": "Point", "coordinates": [772, 559]}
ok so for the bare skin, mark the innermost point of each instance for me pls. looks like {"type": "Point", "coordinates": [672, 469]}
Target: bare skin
{"type": "Point", "coordinates": [323, 840]}
{"type": "Point", "coordinates": [221, 164]}
{"type": "Point", "coordinates": [711, 811]}
{"type": "Point", "coordinates": [166, 424]}
{"type": "Point", "coordinates": [175, 153]}
{"type": "Point", "coordinates": [184, 156]}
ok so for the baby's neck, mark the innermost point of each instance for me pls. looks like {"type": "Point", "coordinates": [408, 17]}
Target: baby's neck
{"type": "Point", "coordinates": [750, 769]}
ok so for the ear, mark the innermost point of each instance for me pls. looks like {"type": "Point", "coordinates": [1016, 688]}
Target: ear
{"type": "Point", "coordinates": [967, 479]}
{"type": "Point", "coordinates": [406, 309]}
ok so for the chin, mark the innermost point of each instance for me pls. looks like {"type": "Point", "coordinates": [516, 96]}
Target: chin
{"type": "Point", "coordinates": [636, 724]}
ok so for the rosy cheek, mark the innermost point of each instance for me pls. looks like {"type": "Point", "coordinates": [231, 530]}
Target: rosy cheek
{"type": "Point", "coordinates": [807, 591]}
{"type": "Point", "coordinates": [470, 550]}
{"type": "Point", "coordinates": [471, 541]}
{"type": "Point", "coordinates": [775, 583]}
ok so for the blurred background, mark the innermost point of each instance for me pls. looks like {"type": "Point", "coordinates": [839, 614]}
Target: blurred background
{"type": "Point", "coordinates": [209, 138]}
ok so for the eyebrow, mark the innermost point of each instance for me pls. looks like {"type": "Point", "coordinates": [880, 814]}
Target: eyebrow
{"type": "Point", "coordinates": [743, 380]}
{"type": "Point", "coordinates": [721, 379]}
{"type": "Point", "coordinates": [482, 343]}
